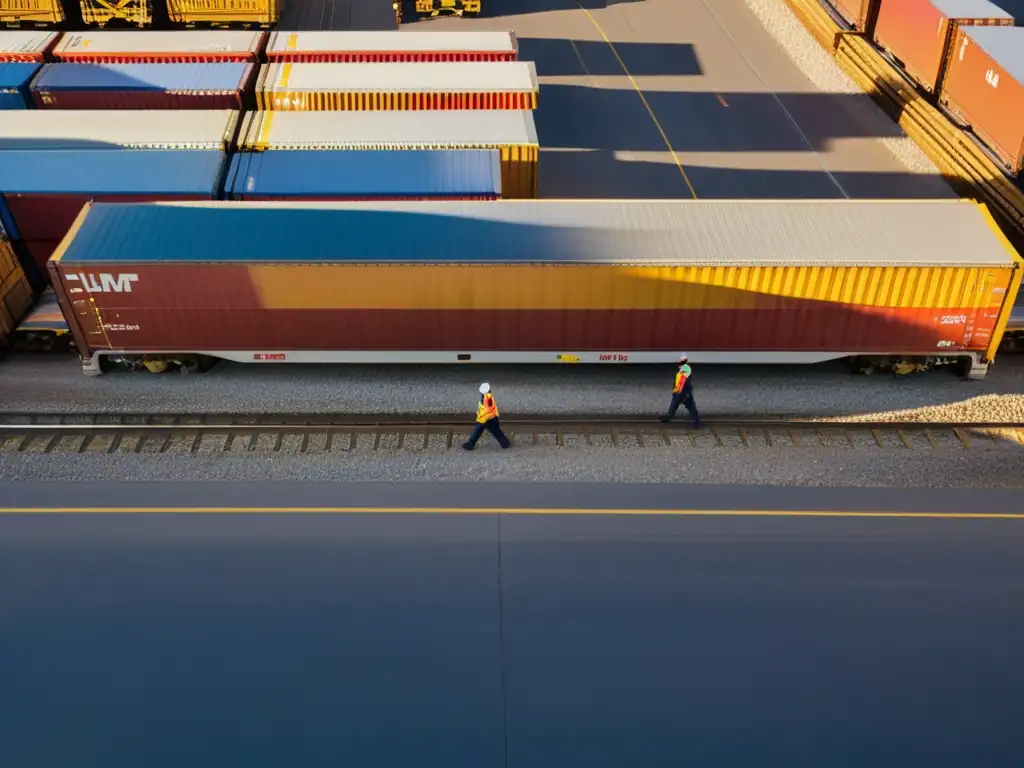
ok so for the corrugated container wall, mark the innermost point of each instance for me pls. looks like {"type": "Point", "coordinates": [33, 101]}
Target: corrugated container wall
{"type": "Point", "coordinates": [15, 293]}
{"type": "Point", "coordinates": [15, 78]}
{"type": "Point", "coordinates": [26, 44]}
{"type": "Point", "coordinates": [472, 174]}
{"type": "Point", "coordinates": [160, 47]}
{"type": "Point", "coordinates": [554, 276]}
{"type": "Point", "coordinates": [262, 13]}
{"type": "Point", "coordinates": [859, 14]}
{"type": "Point", "coordinates": [363, 46]}
{"type": "Point", "coordinates": [984, 87]}
{"type": "Point", "coordinates": [919, 33]}
{"type": "Point", "coordinates": [507, 85]}
{"type": "Point", "coordinates": [513, 133]}
{"type": "Point", "coordinates": [45, 190]}
{"type": "Point", "coordinates": [134, 13]}
{"type": "Point", "coordinates": [28, 13]}
{"type": "Point", "coordinates": [121, 128]}
{"type": "Point", "coordinates": [209, 85]}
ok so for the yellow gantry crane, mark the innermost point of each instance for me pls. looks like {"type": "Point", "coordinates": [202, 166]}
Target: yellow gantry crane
{"type": "Point", "coordinates": [454, 7]}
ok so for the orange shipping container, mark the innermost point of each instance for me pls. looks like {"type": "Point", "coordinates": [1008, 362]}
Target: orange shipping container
{"type": "Point", "coordinates": [860, 14]}
{"type": "Point", "coordinates": [919, 33]}
{"type": "Point", "coordinates": [984, 88]}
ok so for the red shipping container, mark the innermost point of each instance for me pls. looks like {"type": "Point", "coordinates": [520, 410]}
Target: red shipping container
{"type": "Point", "coordinates": [984, 89]}
{"type": "Point", "coordinates": [40, 252]}
{"type": "Point", "coordinates": [919, 33]}
{"type": "Point", "coordinates": [219, 85]}
{"type": "Point", "coordinates": [859, 14]}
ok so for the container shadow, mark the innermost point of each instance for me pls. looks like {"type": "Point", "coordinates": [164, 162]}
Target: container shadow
{"type": "Point", "coordinates": [494, 10]}
{"type": "Point", "coordinates": [558, 57]}
{"type": "Point", "coordinates": [313, 15]}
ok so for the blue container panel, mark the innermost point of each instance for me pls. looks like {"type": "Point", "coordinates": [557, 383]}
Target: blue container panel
{"type": "Point", "coordinates": [15, 79]}
{"type": "Point", "coordinates": [10, 229]}
{"type": "Point", "coordinates": [204, 77]}
{"type": "Point", "coordinates": [353, 174]}
{"type": "Point", "coordinates": [111, 172]}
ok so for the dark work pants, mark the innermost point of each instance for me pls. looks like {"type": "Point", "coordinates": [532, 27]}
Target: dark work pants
{"type": "Point", "coordinates": [684, 399]}
{"type": "Point", "coordinates": [494, 428]}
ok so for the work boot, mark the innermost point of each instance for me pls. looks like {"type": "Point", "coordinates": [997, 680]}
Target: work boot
{"type": "Point", "coordinates": [467, 447]}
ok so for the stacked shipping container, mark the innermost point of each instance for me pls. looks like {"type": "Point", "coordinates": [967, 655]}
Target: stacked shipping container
{"type": "Point", "coordinates": [177, 47]}
{"type": "Point", "coordinates": [379, 47]}
{"type": "Point", "coordinates": [26, 45]}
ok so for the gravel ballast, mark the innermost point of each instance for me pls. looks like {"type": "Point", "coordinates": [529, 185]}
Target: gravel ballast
{"type": "Point", "coordinates": [57, 385]}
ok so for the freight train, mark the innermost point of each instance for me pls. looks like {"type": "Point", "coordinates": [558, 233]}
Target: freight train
{"type": "Point", "coordinates": [903, 285]}
{"type": "Point", "coordinates": [964, 56]}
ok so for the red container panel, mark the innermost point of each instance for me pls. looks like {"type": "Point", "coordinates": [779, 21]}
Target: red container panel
{"type": "Point", "coordinates": [859, 14]}
{"type": "Point", "coordinates": [40, 252]}
{"type": "Point", "coordinates": [920, 35]}
{"type": "Point", "coordinates": [384, 57]}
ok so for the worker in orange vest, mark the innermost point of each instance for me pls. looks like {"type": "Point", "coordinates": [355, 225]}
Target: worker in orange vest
{"type": "Point", "coordinates": [682, 393]}
{"type": "Point", "coordinates": [486, 418]}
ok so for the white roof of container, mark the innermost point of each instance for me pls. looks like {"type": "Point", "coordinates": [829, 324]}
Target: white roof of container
{"type": "Point", "coordinates": [104, 129]}
{"type": "Point", "coordinates": [388, 130]}
{"type": "Point", "coordinates": [970, 9]}
{"type": "Point", "coordinates": [365, 41]}
{"type": "Point", "coordinates": [1004, 44]}
{"type": "Point", "coordinates": [697, 232]}
{"type": "Point", "coordinates": [152, 41]}
{"type": "Point", "coordinates": [404, 77]}
{"type": "Point", "coordinates": [25, 40]}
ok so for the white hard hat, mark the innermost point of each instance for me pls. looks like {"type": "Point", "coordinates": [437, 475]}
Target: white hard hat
{"type": "Point", "coordinates": [683, 358]}
{"type": "Point", "coordinates": [485, 388]}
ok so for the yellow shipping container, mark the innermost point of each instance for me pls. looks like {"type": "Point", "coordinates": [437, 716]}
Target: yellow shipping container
{"type": "Point", "coordinates": [138, 13]}
{"type": "Point", "coordinates": [15, 302]}
{"type": "Point", "coordinates": [457, 7]}
{"type": "Point", "coordinates": [262, 13]}
{"type": "Point", "coordinates": [31, 12]}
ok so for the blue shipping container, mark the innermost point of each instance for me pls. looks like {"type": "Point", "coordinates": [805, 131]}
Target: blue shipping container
{"type": "Point", "coordinates": [365, 174]}
{"type": "Point", "coordinates": [15, 78]}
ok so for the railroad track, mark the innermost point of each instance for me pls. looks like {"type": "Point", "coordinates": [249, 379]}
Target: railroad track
{"type": "Point", "coordinates": [184, 434]}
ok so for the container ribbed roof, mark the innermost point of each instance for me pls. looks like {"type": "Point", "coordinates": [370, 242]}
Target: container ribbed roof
{"type": "Point", "coordinates": [430, 77]}
{"type": "Point", "coordinates": [109, 129]}
{"type": "Point", "coordinates": [373, 41]}
{"type": "Point", "coordinates": [157, 41]}
{"type": "Point", "coordinates": [24, 41]}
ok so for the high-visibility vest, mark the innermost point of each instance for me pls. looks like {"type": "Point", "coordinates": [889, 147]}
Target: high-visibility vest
{"type": "Point", "coordinates": [487, 410]}
{"type": "Point", "coordinates": [682, 376]}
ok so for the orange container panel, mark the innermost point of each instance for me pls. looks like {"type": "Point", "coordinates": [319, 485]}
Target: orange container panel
{"type": "Point", "coordinates": [859, 14]}
{"type": "Point", "coordinates": [984, 89]}
{"type": "Point", "coordinates": [15, 302]}
{"type": "Point", "coordinates": [919, 33]}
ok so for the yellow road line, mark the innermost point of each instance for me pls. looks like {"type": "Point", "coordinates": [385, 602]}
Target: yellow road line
{"type": "Point", "coordinates": [636, 87]}
{"type": "Point", "coordinates": [132, 510]}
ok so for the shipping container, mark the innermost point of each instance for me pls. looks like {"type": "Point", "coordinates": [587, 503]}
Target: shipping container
{"type": "Point", "coordinates": [100, 13]}
{"type": "Point", "coordinates": [15, 79]}
{"type": "Point", "coordinates": [333, 46]}
{"type": "Point", "coordinates": [45, 190]}
{"type": "Point", "coordinates": [43, 327]}
{"type": "Point", "coordinates": [8, 261]}
{"type": "Point", "coordinates": [919, 33]}
{"type": "Point", "coordinates": [508, 85]}
{"type": "Point", "coordinates": [523, 281]}
{"type": "Point", "coordinates": [456, 7]}
{"type": "Point", "coordinates": [15, 302]}
{"type": "Point", "coordinates": [39, 252]}
{"type": "Point", "coordinates": [513, 133]}
{"type": "Point", "coordinates": [160, 47]}
{"type": "Point", "coordinates": [126, 129]}
{"type": "Point", "coordinates": [26, 44]}
{"type": "Point", "coordinates": [472, 174]}
{"type": "Point", "coordinates": [254, 13]}
{"type": "Point", "coordinates": [210, 85]}
{"type": "Point", "coordinates": [859, 14]}
{"type": "Point", "coordinates": [984, 89]}
{"type": "Point", "coordinates": [31, 13]}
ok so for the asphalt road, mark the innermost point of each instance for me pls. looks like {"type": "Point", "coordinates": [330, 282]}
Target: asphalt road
{"type": "Point", "coordinates": [520, 640]}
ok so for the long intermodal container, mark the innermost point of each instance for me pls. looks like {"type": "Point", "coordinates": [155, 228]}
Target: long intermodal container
{"type": "Point", "coordinates": [15, 80]}
{"type": "Point", "coordinates": [26, 44]}
{"type": "Point", "coordinates": [258, 13]}
{"type": "Point", "coordinates": [391, 46]}
{"type": "Point", "coordinates": [100, 13]}
{"type": "Point", "coordinates": [15, 293]}
{"type": "Point", "coordinates": [984, 88]}
{"type": "Point", "coordinates": [211, 129]}
{"type": "Point", "coordinates": [532, 282]}
{"type": "Point", "coordinates": [160, 47]}
{"type": "Point", "coordinates": [208, 85]}
{"type": "Point", "coordinates": [470, 174]}
{"type": "Point", "coordinates": [44, 190]}
{"type": "Point", "coordinates": [29, 13]}
{"type": "Point", "coordinates": [859, 14]}
{"type": "Point", "coordinates": [512, 133]}
{"type": "Point", "coordinates": [919, 33]}
{"type": "Point", "coordinates": [300, 87]}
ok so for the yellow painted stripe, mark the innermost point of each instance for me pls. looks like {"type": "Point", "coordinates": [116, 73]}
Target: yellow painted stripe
{"type": "Point", "coordinates": [129, 510]}
{"type": "Point", "coordinates": [429, 287]}
{"type": "Point", "coordinates": [293, 40]}
{"type": "Point", "coordinates": [286, 73]}
{"type": "Point", "coordinates": [266, 123]}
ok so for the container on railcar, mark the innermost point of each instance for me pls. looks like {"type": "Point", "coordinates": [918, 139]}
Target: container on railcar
{"type": "Point", "coordinates": [15, 294]}
{"type": "Point", "coordinates": [512, 133]}
{"type": "Point", "coordinates": [208, 85]}
{"type": "Point", "coordinates": [124, 13]}
{"type": "Point", "coordinates": [30, 45]}
{"type": "Point", "coordinates": [38, 13]}
{"type": "Point", "coordinates": [455, 7]}
{"type": "Point", "coordinates": [898, 283]}
{"type": "Point", "coordinates": [472, 174]}
{"type": "Point", "coordinates": [919, 33]}
{"type": "Point", "coordinates": [333, 46]}
{"type": "Point", "coordinates": [261, 14]}
{"type": "Point", "coordinates": [160, 47]}
{"type": "Point", "coordinates": [859, 14]}
{"type": "Point", "coordinates": [503, 85]}
{"type": "Point", "coordinates": [984, 89]}
{"type": "Point", "coordinates": [15, 81]}
{"type": "Point", "coordinates": [209, 129]}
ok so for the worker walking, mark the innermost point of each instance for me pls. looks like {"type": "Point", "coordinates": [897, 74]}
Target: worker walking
{"type": "Point", "coordinates": [486, 418]}
{"type": "Point", "coordinates": [682, 394]}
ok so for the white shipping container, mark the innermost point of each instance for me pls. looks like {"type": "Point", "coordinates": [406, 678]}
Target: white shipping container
{"type": "Point", "coordinates": [25, 44]}
{"type": "Point", "coordinates": [105, 129]}
{"type": "Point", "coordinates": [190, 42]}
{"type": "Point", "coordinates": [403, 77]}
{"type": "Point", "coordinates": [286, 43]}
{"type": "Point", "coordinates": [387, 130]}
